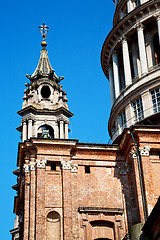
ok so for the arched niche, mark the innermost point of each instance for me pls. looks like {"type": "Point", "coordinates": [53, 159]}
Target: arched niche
{"type": "Point", "coordinates": [45, 131]}
{"type": "Point", "coordinates": [102, 230]}
{"type": "Point", "coordinates": [53, 226]}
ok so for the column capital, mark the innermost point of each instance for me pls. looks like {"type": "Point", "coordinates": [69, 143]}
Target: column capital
{"type": "Point", "coordinates": [139, 26]}
{"type": "Point", "coordinates": [32, 166]}
{"type": "Point", "coordinates": [41, 163]}
{"type": "Point", "coordinates": [144, 151]}
{"type": "Point", "coordinates": [26, 168]}
{"type": "Point", "coordinates": [157, 16]}
{"type": "Point", "coordinates": [123, 39]}
{"type": "Point", "coordinates": [68, 165]}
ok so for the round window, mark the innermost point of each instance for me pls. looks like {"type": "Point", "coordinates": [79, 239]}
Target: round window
{"type": "Point", "coordinates": [45, 92]}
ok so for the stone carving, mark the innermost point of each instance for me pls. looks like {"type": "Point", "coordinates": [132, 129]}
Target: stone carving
{"type": "Point", "coordinates": [144, 151]}
{"type": "Point", "coordinates": [139, 26]}
{"type": "Point", "coordinates": [133, 154]}
{"type": "Point", "coordinates": [68, 165]}
{"type": "Point", "coordinates": [26, 168]}
{"type": "Point", "coordinates": [32, 166]}
{"type": "Point", "coordinates": [74, 168]}
{"type": "Point", "coordinates": [41, 163]}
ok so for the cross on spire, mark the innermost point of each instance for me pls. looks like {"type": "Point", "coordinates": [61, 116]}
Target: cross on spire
{"type": "Point", "coordinates": [43, 30]}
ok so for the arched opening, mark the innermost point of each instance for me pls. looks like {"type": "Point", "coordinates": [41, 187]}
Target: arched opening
{"type": "Point", "coordinates": [45, 131]}
{"type": "Point", "coordinates": [156, 49]}
{"type": "Point", "coordinates": [53, 226]}
{"type": "Point", "coordinates": [45, 92]}
{"type": "Point", "coordinates": [102, 230]}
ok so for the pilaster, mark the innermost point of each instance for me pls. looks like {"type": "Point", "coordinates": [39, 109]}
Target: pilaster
{"type": "Point", "coordinates": [40, 198]}
{"type": "Point", "coordinates": [68, 168]}
{"type": "Point", "coordinates": [32, 196]}
{"type": "Point", "coordinates": [26, 196]}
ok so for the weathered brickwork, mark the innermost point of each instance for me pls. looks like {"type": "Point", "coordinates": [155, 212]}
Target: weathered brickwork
{"type": "Point", "coordinates": [62, 199]}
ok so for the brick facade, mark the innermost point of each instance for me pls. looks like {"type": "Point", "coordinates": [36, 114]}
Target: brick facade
{"type": "Point", "coordinates": [103, 201]}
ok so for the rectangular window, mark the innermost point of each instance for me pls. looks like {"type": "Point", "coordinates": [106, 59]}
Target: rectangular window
{"type": "Point", "coordinates": [138, 110]}
{"type": "Point", "coordinates": [87, 169]}
{"type": "Point", "coordinates": [122, 118]}
{"type": "Point", "coordinates": [156, 99]}
{"type": "Point", "coordinates": [53, 166]}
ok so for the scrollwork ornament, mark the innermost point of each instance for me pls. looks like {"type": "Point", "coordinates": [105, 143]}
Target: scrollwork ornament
{"type": "Point", "coordinates": [144, 151]}
{"type": "Point", "coordinates": [41, 163]}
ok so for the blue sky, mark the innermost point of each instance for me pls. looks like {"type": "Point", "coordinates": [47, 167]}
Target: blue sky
{"type": "Point", "coordinates": [76, 35]}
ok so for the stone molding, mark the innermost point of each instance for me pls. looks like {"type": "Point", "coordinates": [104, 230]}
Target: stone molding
{"type": "Point", "coordinates": [68, 165]}
{"type": "Point", "coordinates": [133, 154]}
{"type": "Point", "coordinates": [33, 165]}
{"type": "Point", "coordinates": [139, 26]}
{"type": "Point", "coordinates": [144, 151]}
{"type": "Point", "coordinates": [157, 16]}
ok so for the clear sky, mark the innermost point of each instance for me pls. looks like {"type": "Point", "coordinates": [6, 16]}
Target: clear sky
{"type": "Point", "coordinates": [75, 39]}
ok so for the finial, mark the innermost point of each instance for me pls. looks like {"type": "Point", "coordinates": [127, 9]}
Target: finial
{"type": "Point", "coordinates": [43, 30]}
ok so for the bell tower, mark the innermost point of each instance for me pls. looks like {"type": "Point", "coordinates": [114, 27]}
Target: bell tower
{"type": "Point", "coordinates": [45, 110]}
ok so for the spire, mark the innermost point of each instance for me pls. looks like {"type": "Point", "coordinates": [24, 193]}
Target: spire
{"type": "Point", "coordinates": [44, 67]}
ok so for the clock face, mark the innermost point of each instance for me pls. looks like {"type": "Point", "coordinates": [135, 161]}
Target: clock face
{"type": "Point", "coordinates": [45, 92]}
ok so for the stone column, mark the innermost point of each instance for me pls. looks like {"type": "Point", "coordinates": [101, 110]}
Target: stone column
{"type": "Point", "coordinates": [24, 132]}
{"type": "Point", "coordinates": [142, 1]}
{"type": "Point", "coordinates": [129, 5]}
{"type": "Point", "coordinates": [29, 128]}
{"type": "Point", "coordinates": [56, 130]}
{"type": "Point", "coordinates": [126, 62]}
{"type": "Point", "coordinates": [66, 130]}
{"type": "Point", "coordinates": [158, 25]}
{"type": "Point", "coordinates": [61, 129]}
{"type": "Point", "coordinates": [116, 74]}
{"type": "Point", "coordinates": [111, 82]}
{"type": "Point", "coordinates": [142, 49]}
{"type": "Point", "coordinates": [40, 199]}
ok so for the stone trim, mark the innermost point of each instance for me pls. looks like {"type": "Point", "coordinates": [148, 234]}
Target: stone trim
{"type": "Point", "coordinates": [41, 163]}
{"type": "Point", "coordinates": [100, 210]}
{"type": "Point", "coordinates": [26, 168]}
{"type": "Point", "coordinates": [33, 165]}
{"type": "Point", "coordinates": [68, 165]}
{"type": "Point", "coordinates": [144, 151]}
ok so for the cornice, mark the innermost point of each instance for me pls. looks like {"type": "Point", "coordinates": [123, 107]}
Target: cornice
{"type": "Point", "coordinates": [33, 110]}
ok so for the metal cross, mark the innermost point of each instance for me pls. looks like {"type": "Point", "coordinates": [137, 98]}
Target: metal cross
{"type": "Point", "coordinates": [43, 30]}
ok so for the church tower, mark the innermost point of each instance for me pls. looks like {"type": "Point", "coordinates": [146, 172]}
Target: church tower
{"type": "Point", "coordinates": [45, 110]}
{"type": "Point", "coordinates": [68, 190]}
